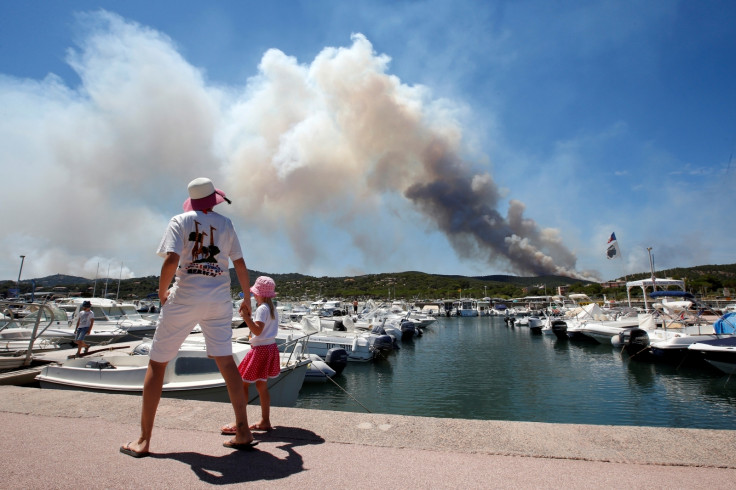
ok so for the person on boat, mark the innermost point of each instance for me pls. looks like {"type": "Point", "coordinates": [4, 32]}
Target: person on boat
{"type": "Point", "coordinates": [85, 320]}
{"type": "Point", "coordinates": [197, 247]}
{"type": "Point", "coordinates": [263, 360]}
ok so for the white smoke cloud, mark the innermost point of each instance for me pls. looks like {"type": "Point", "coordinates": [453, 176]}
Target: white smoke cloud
{"type": "Point", "coordinates": [336, 146]}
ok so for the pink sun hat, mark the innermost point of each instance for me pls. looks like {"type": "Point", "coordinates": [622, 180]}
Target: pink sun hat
{"type": "Point", "coordinates": [265, 287]}
{"type": "Point", "coordinates": [203, 195]}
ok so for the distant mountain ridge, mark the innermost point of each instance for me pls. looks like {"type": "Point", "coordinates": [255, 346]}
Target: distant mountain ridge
{"type": "Point", "coordinates": [407, 284]}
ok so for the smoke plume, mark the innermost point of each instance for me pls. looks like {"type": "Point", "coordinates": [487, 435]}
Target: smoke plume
{"type": "Point", "coordinates": [334, 150]}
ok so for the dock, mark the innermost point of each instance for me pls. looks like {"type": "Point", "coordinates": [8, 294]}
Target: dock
{"type": "Point", "coordinates": [71, 439]}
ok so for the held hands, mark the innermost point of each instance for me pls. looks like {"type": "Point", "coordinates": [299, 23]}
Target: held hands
{"type": "Point", "coordinates": [244, 309]}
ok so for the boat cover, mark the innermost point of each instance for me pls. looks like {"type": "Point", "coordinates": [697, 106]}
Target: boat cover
{"type": "Point", "coordinates": [671, 294]}
{"type": "Point", "coordinates": [726, 324]}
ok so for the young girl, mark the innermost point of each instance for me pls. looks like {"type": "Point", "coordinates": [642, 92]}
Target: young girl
{"type": "Point", "coordinates": [263, 360]}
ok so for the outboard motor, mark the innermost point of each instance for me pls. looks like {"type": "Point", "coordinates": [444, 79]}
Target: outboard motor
{"type": "Point", "coordinates": [337, 359]}
{"type": "Point", "coordinates": [559, 328]}
{"type": "Point", "coordinates": [383, 343]}
{"type": "Point", "coordinates": [408, 330]}
{"type": "Point", "coordinates": [637, 345]}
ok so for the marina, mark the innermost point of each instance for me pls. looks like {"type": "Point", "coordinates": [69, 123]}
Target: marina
{"type": "Point", "coordinates": [487, 368]}
{"type": "Point", "coordinates": [479, 368]}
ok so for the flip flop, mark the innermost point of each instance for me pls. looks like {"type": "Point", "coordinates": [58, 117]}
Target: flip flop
{"type": "Point", "coordinates": [241, 446]}
{"type": "Point", "coordinates": [257, 427]}
{"type": "Point", "coordinates": [135, 454]}
{"type": "Point", "coordinates": [228, 430]}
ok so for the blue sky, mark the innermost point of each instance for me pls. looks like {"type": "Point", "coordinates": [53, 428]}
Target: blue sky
{"type": "Point", "coordinates": [360, 137]}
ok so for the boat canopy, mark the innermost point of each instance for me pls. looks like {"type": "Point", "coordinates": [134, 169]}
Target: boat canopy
{"type": "Point", "coordinates": [652, 283]}
{"type": "Point", "coordinates": [726, 324]}
{"type": "Point", "coordinates": [671, 294]}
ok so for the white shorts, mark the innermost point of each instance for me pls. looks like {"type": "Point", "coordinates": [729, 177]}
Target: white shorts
{"type": "Point", "coordinates": [175, 323]}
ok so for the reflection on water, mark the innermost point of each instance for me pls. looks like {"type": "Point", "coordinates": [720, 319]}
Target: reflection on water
{"type": "Point", "coordinates": [478, 368]}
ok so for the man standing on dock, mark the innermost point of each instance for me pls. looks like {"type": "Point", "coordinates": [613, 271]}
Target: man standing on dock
{"type": "Point", "coordinates": [200, 295]}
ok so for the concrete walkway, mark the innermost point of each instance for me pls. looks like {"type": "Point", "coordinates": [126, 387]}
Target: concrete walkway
{"type": "Point", "coordinates": [65, 439]}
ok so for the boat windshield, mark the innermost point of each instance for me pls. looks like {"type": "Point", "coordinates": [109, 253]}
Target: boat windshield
{"type": "Point", "coordinates": [116, 312]}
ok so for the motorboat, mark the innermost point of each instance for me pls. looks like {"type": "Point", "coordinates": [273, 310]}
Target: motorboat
{"type": "Point", "coordinates": [190, 375]}
{"type": "Point", "coordinates": [535, 324]}
{"type": "Point", "coordinates": [719, 353]}
{"type": "Point", "coordinates": [359, 346]}
{"type": "Point", "coordinates": [484, 307]}
{"type": "Point", "coordinates": [667, 332]}
{"type": "Point", "coordinates": [467, 307]}
{"type": "Point", "coordinates": [114, 321]}
{"type": "Point", "coordinates": [608, 326]}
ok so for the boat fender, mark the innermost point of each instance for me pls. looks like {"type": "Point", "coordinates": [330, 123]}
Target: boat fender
{"type": "Point", "coordinates": [142, 349]}
{"type": "Point", "coordinates": [337, 359]}
{"type": "Point", "coordinates": [298, 350]}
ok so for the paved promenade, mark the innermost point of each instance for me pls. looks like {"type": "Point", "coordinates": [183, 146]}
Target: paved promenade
{"type": "Point", "coordinates": [69, 439]}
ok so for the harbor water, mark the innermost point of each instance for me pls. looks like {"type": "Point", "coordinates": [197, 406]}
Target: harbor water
{"type": "Point", "coordinates": [478, 368]}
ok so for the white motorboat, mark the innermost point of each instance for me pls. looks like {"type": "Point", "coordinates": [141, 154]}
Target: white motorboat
{"type": "Point", "coordinates": [608, 326]}
{"type": "Point", "coordinates": [467, 307]}
{"type": "Point", "coordinates": [358, 346]}
{"type": "Point", "coordinates": [190, 375]}
{"type": "Point", "coordinates": [719, 353]}
{"type": "Point", "coordinates": [114, 314]}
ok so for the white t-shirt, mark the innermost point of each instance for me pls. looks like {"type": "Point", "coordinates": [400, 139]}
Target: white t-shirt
{"type": "Point", "coordinates": [270, 325]}
{"type": "Point", "coordinates": [85, 318]}
{"type": "Point", "coordinates": [206, 243]}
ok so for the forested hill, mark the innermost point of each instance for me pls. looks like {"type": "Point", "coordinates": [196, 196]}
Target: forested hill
{"type": "Point", "coordinates": [408, 285]}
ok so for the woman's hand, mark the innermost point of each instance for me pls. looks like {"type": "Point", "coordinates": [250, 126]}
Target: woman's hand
{"type": "Point", "coordinates": [163, 297]}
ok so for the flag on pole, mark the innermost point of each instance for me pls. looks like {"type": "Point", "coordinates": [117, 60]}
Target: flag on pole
{"type": "Point", "coordinates": [613, 252]}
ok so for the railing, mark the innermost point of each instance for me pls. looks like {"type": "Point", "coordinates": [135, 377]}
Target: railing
{"type": "Point", "coordinates": [6, 306]}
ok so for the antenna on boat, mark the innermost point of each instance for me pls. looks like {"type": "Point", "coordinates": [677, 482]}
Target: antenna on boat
{"type": "Point", "coordinates": [119, 277]}
{"type": "Point", "coordinates": [107, 279]}
{"type": "Point", "coordinates": [94, 290]}
{"type": "Point", "coordinates": [651, 267]}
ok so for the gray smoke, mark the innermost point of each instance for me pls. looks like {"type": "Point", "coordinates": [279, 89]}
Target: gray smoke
{"type": "Point", "coordinates": [336, 150]}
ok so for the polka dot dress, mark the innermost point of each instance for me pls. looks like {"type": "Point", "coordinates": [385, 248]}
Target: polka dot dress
{"type": "Point", "coordinates": [260, 363]}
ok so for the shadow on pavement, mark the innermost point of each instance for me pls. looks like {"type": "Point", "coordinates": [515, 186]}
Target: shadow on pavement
{"type": "Point", "coordinates": [249, 466]}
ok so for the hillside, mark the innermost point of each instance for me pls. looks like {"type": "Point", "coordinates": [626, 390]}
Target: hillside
{"type": "Point", "coordinates": [704, 280]}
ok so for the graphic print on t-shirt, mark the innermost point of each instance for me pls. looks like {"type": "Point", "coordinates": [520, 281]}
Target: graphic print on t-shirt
{"type": "Point", "coordinates": [204, 257]}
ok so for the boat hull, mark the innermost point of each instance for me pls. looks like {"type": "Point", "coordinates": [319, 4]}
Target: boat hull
{"type": "Point", "coordinates": [189, 377]}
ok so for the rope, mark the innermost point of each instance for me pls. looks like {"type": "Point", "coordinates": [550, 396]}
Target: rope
{"type": "Point", "coordinates": [321, 371]}
{"type": "Point", "coordinates": [343, 389]}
